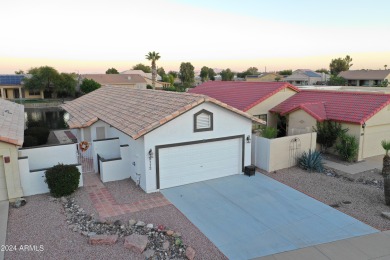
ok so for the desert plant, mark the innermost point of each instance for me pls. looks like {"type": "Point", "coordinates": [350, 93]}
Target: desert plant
{"type": "Point", "coordinates": [311, 161]}
{"type": "Point", "coordinates": [347, 147]}
{"type": "Point", "coordinates": [40, 133]}
{"type": "Point", "coordinates": [62, 180]}
{"type": "Point", "coordinates": [327, 133]}
{"type": "Point", "coordinates": [269, 132]}
{"type": "Point", "coordinates": [386, 170]}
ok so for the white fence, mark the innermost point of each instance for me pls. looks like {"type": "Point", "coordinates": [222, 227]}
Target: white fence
{"type": "Point", "coordinates": [33, 162]}
{"type": "Point", "coordinates": [279, 153]}
{"type": "Point", "coordinates": [107, 149]}
{"type": "Point", "coordinates": [114, 169]}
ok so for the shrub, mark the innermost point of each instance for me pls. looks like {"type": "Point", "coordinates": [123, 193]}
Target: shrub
{"type": "Point", "coordinates": [62, 179]}
{"type": "Point", "coordinates": [40, 133]}
{"type": "Point", "coordinates": [311, 161]}
{"type": "Point", "coordinates": [347, 147]}
{"type": "Point", "coordinates": [149, 86]}
{"type": "Point", "coordinates": [30, 141]}
{"type": "Point", "coordinates": [89, 85]}
{"type": "Point", "coordinates": [269, 132]}
{"type": "Point", "coordinates": [327, 133]}
{"type": "Point", "coordinates": [39, 123]}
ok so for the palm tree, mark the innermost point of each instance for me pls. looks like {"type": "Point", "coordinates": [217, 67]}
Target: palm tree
{"type": "Point", "coordinates": [153, 56]}
{"type": "Point", "coordinates": [385, 67]}
{"type": "Point", "coordinates": [386, 170]}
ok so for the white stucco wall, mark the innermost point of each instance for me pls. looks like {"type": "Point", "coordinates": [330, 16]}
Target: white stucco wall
{"type": "Point", "coordinates": [181, 129]}
{"type": "Point", "coordinates": [116, 170]}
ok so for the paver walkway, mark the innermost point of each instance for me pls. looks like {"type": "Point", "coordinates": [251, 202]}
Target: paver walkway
{"type": "Point", "coordinates": [369, 247]}
{"type": "Point", "coordinates": [105, 203]}
{"type": "Point", "coordinates": [366, 165]}
{"type": "Point", "coordinates": [247, 217]}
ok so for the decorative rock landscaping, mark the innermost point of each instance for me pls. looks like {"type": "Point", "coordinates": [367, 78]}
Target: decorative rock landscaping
{"type": "Point", "coordinates": [153, 242]}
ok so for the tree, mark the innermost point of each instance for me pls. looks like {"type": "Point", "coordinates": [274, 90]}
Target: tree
{"type": "Point", "coordinates": [384, 83]}
{"type": "Point", "coordinates": [327, 133]}
{"type": "Point", "coordinates": [21, 72]}
{"type": "Point", "coordinates": [249, 71]}
{"type": "Point", "coordinates": [212, 74]}
{"type": "Point", "coordinates": [227, 75]}
{"type": "Point", "coordinates": [161, 72]}
{"type": "Point", "coordinates": [89, 85]}
{"type": "Point", "coordinates": [385, 69]}
{"type": "Point", "coordinates": [66, 83]}
{"type": "Point", "coordinates": [153, 56]}
{"type": "Point", "coordinates": [173, 73]}
{"type": "Point", "coordinates": [386, 170]}
{"type": "Point", "coordinates": [323, 70]}
{"type": "Point", "coordinates": [277, 78]}
{"type": "Point", "coordinates": [112, 71]}
{"type": "Point", "coordinates": [144, 68]}
{"type": "Point", "coordinates": [336, 81]}
{"type": "Point", "coordinates": [42, 78]}
{"type": "Point", "coordinates": [285, 72]}
{"type": "Point", "coordinates": [204, 73]}
{"type": "Point", "coordinates": [186, 74]}
{"type": "Point", "coordinates": [338, 65]}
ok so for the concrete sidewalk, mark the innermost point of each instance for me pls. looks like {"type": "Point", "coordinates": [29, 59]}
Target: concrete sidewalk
{"type": "Point", "coordinates": [368, 164]}
{"type": "Point", "coordinates": [369, 247]}
{"type": "Point", "coordinates": [4, 205]}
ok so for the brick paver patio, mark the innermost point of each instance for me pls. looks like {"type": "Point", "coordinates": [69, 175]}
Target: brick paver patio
{"type": "Point", "coordinates": [106, 205]}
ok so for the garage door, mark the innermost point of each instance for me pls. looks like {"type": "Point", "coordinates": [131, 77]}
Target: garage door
{"type": "Point", "coordinates": [372, 140]}
{"type": "Point", "coordinates": [184, 164]}
{"type": "Point", "coordinates": [3, 184]}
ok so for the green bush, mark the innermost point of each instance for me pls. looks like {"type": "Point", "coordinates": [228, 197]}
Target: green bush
{"type": "Point", "coordinates": [149, 86]}
{"type": "Point", "coordinates": [311, 161]}
{"type": "Point", "coordinates": [62, 179]}
{"type": "Point", "coordinates": [327, 133]}
{"type": "Point", "coordinates": [347, 147]}
{"type": "Point", "coordinates": [40, 133]}
{"type": "Point", "coordinates": [30, 141]}
{"type": "Point", "coordinates": [269, 132]}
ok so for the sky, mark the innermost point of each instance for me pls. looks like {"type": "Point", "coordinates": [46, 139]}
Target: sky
{"type": "Point", "coordinates": [90, 36]}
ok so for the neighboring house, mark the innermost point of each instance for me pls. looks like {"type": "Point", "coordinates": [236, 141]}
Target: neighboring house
{"type": "Point", "coordinates": [11, 87]}
{"type": "Point", "coordinates": [11, 138]}
{"type": "Point", "coordinates": [264, 77]}
{"type": "Point", "coordinates": [366, 115]}
{"type": "Point", "coordinates": [172, 138]}
{"type": "Point", "coordinates": [255, 98]}
{"type": "Point", "coordinates": [159, 84]}
{"type": "Point", "coordinates": [366, 78]}
{"type": "Point", "coordinates": [130, 81]}
{"type": "Point", "coordinates": [304, 77]}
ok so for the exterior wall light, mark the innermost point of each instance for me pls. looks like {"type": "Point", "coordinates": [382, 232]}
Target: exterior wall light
{"type": "Point", "coordinates": [248, 139]}
{"type": "Point", "coordinates": [364, 125]}
{"type": "Point", "coordinates": [150, 153]}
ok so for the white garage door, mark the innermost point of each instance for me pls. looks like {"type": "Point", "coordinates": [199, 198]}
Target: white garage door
{"type": "Point", "coordinates": [3, 184]}
{"type": "Point", "coordinates": [186, 164]}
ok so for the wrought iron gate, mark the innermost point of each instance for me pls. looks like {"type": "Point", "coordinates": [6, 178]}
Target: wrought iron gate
{"type": "Point", "coordinates": [294, 151]}
{"type": "Point", "coordinates": [85, 156]}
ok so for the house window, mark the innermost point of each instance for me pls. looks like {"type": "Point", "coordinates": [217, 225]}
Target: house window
{"type": "Point", "coordinates": [34, 92]}
{"type": "Point", "coordinates": [203, 121]}
{"type": "Point", "coordinates": [262, 117]}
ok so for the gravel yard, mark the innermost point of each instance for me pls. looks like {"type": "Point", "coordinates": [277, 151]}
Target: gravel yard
{"type": "Point", "coordinates": [346, 193]}
{"type": "Point", "coordinates": [43, 222]}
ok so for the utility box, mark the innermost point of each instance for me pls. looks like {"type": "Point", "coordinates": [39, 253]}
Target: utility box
{"type": "Point", "coordinates": [249, 170]}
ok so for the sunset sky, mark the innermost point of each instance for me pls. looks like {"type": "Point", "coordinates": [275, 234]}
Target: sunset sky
{"type": "Point", "coordinates": [90, 36]}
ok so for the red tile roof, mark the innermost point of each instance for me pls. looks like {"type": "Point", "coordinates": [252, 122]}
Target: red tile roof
{"type": "Point", "coordinates": [351, 107]}
{"type": "Point", "coordinates": [11, 122]}
{"type": "Point", "coordinates": [241, 94]}
{"type": "Point", "coordinates": [135, 111]}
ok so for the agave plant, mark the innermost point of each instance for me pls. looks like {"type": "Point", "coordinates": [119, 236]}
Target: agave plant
{"type": "Point", "coordinates": [311, 161]}
{"type": "Point", "coordinates": [386, 170]}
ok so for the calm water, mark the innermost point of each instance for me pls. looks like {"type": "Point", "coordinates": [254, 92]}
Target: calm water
{"type": "Point", "coordinates": [53, 118]}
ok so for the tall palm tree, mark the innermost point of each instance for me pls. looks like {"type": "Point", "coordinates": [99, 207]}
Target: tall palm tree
{"type": "Point", "coordinates": [385, 67]}
{"type": "Point", "coordinates": [386, 170]}
{"type": "Point", "coordinates": [153, 56]}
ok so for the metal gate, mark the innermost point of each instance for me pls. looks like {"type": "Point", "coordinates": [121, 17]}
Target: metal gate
{"type": "Point", "coordinates": [294, 151]}
{"type": "Point", "coordinates": [85, 156]}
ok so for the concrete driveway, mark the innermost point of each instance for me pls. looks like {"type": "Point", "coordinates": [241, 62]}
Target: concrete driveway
{"type": "Point", "coordinates": [248, 217]}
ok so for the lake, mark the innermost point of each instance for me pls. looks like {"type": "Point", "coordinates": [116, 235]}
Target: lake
{"type": "Point", "coordinates": [52, 118]}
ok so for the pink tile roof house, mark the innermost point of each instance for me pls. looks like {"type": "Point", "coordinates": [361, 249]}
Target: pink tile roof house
{"type": "Point", "coordinates": [241, 95]}
{"type": "Point", "coordinates": [349, 107]}
{"type": "Point", "coordinates": [135, 112]}
{"type": "Point", "coordinates": [11, 122]}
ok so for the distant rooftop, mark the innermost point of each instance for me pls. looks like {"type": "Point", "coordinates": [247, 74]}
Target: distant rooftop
{"type": "Point", "coordinates": [365, 74]}
{"type": "Point", "coordinates": [11, 79]}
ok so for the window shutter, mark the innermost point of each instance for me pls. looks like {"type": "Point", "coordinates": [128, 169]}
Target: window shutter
{"type": "Point", "coordinates": [203, 121]}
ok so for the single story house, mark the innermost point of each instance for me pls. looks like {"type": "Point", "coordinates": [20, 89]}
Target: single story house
{"type": "Point", "coordinates": [255, 98]}
{"type": "Point", "coordinates": [304, 77]}
{"type": "Point", "coordinates": [366, 78]}
{"type": "Point", "coordinates": [130, 81]}
{"type": "Point", "coordinates": [366, 115]}
{"type": "Point", "coordinates": [159, 84]}
{"type": "Point", "coordinates": [172, 138]}
{"type": "Point", "coordinates": [11, 138]}
{"type": "Point", "coordinates": [264, 77]}
{"type": "Point", "coordinates": [11, 87]}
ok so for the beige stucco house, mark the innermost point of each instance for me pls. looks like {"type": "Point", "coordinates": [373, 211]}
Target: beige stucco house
{"type": "Point", "coordinates": [264, 77]}
{"type": "Point", "coordinates": [131, 81]}
{"type": "Point", "coordinates": [255, 98]}
{"type": "Point", "coordinates": [366, 78]}
{"type": "Point", "coordinates": [11, 87]}
{"type": "Point", "coordinates": [366, 115]}
{"type": "Point", "coordinates": [11, 138]}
